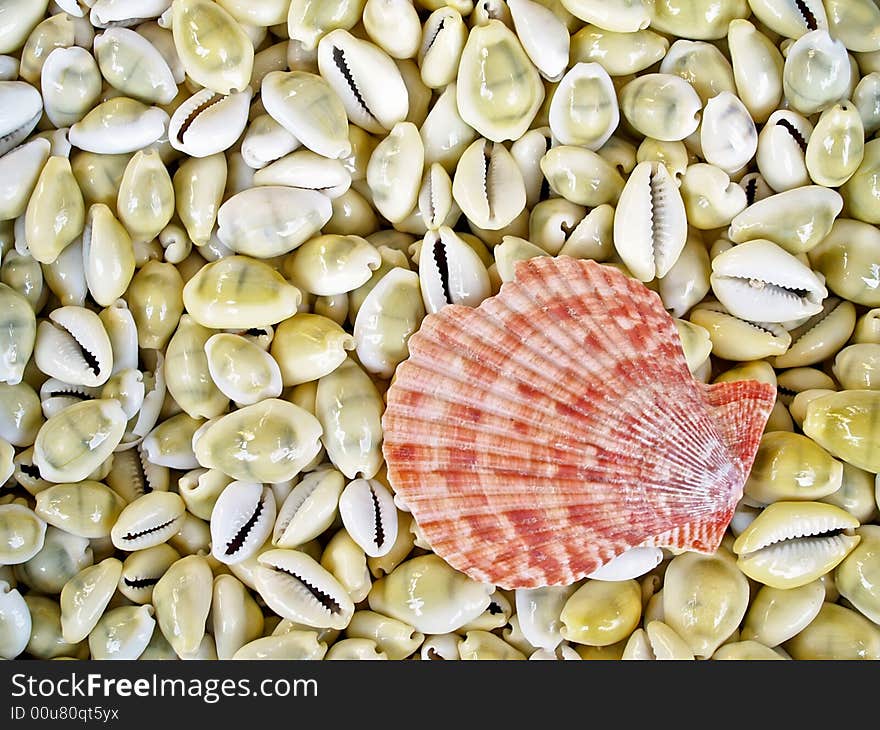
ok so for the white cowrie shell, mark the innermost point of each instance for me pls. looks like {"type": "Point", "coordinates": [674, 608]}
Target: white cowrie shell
{"type": "Point", "coordinates": [394, 173]}
{"type": "Point", "coordinates": [17, 335]}
{"type": "Point", "coordinates": [650, 225]}
{"type": "Point", "coordinates": [296, 587]}
{"type": "Point", "coordinates": [790, 18]}
{"type": "Point", "coordinates": [142, 569]}
{"type": "Point", "coordinates": [15, 622]}
{"type": "Point", "coordinates": [437, 206]}
{"type": "Point", "coordinates": [105, 13]}
{"type": "Point", "coordinates": [445, 135]}
{"type": "Point", "coordinates": [307, 170]}
{"type": "Point", "coordinates": [702, 65]}
{"type": "Point", "coordinates": [782, 147]}
{"type": "Point", "coordinates": [488, 185]}
{"type": "Point", "coordinates": [122, 633]}
{"type": "Point", "coordinates": [528, 151]}
{"type": "Point", "coordinates": [621, 16]}
{"type": "Point", "coordinates": [271, 220]}
{"type": "Point", "coordinates": [728, 136]}
{"type": "Point", "coordinates": [133, 475]}
{"type": "Point", "coordinates": [757, 69]}
{"type": "Point", "coordinates": [443, 38]}
{"type": "Point", "coordinates": [584, 108]}
{"type": "Point", "coordinates": [687, 282]}
{"type": "Point", "coordinates": [450, 272]}
{"type": "Point", "coordinates": [543, 35]}
{"type": "Point", "coordinates": [265, 141]}
{"type": "Point", "coordinates": [73, 346]}
{"type": "Point", "coordinates": [368, 513]}
{"type": "Point", "coordinates": [539, 611]}
{"type": "Point", "coordinates": [20, 110]}
{"type": "Point", "coordinates": [629, 564]}
{"type": "Point", "coordinates": [119, 125]}
{"type": "Point", "coordinates": [22, 534]}
{"type": "Point", "coordinates": [241, 370]}
{"type": "Point", "coordinates": [241, 521]}
{"type": "Point", "coordinates": [394, 26]}
{"type": "Point", "coordinates": [817, 72]}
{"type": "Point", "coordinates": [759, 281]}
{"type": "Point", "coordinates": [148, 521]}
{"type": "Point", "coordinates": [19, 172]}
{"type": "Point", "coordinates": [365, 79]}
{"type": "Point", "coordinates": [208, 122]}
{"type": "Point", "coordinates": [581, 176]}
{"type": "Point", "coordinates": [711, 200]}
{"type": "Point", "coordinates": [70, 83]}
{"type": "Point", "coordinates": [755, 187]}
{"type": "Point", "coordinates": [85, 597]}
{"type": "Point", "coordinates": [108, 256]}
{"type": "Point", "coordinates": [332, 264]}
{"type": "Point", "coordinates": [309, 509]}
{"type": "Point", "coordinates": [307, 106]}
{"type": "Point", "coordinates": [130, 63]}
{"type": "Point", "coordinates": [661, 106]}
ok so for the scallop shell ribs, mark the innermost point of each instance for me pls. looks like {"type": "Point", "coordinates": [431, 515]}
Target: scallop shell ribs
{"type": "Point", "coordinates": [557, 425]}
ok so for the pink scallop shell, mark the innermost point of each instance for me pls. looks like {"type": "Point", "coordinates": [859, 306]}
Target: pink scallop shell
{"type": "Point", "coordinates": [557, 425]}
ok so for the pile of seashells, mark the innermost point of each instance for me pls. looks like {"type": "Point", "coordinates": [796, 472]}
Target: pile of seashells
{"type": "Point", "coordinates": [212, 220]}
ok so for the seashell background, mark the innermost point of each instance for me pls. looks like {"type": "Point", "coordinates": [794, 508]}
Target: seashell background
{"type": "Point", "coordinates": [221, 222]}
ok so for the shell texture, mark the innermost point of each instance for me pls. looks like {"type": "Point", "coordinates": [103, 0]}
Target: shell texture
{"type": "Point", "coordinates": [542, 434]}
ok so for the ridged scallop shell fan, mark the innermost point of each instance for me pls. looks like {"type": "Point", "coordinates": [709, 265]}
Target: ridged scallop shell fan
{"type": "Point", "coordinates": [557, 425]}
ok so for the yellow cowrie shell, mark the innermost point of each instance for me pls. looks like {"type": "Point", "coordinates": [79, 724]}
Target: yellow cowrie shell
{"type": "Point", "coordinates": [235, 616]}
{"type": "Point", "coordinates": [728, 137]}
{"type": "Point", "coordinates": [85, 597]}
{"type": "Point", "coordinates": [843, 423]}
{"type": "Point", "coordinates": [134, 66]}
{"type": "Point", "coordinates": [702, 65]}
{"type": "Point", "coordinates": [7, 465]}
{"type": "Point", "coordinates": [108, 255]}
{"type": "Point", "coordinates": [24, 274]}
{"type": "Point", "coordinates": [308, 22]}
{"type": "Point", "coordinates": [17, 335]}
{"type": "Point", "coordinates": [238, 292]}
{"type": "Point", "coordinates": [241, 370]}
{"type": "Point", "coordinates": [268, 442]}
{"type": "Point", "coordinates": [695, 344]}
{"type": "Point", "coordinates": [488, 185]}
{"type": "Point", "coordinates": [856, 23]}
{"type": "Point", "coordinates": [17, 21]}
{"type": "Point", "coordinates": [619, 53]}
{"type": "Point", "coordinates": [789, 467]}
{"type": "Point", "coordinates": [20, 170]}
{"type": "Point", "coordinates": [309, 509]}
{"type": "Point", "coordinates": [798, 405]}
{"type": "Point", "coordinates": [445, 647]}
{"type": "Point", "coordinates": [308, 346]}
{"type": "Point", "coordinates": [15, 621]}
{"type": "Point", "coordinates": [484, 645]}
{"type": "Point", "coordinates": [200, 488]}
{"type": "Point", "coordinates": [429, 595]}
{"type": "Point", "coordinates": [62, 556]}
{"type": "Point", "coordinates": [46, 641]}
{"type": "Point", "coordinates": [662, 644]}
{"type": "Point", "coordinates": [306, 169]}
{"type": "Point", "coordinates": [148, 521]}
{"type": "Point", "coordinates": [262, 14]}
{"type": "Point", "coordinates": [187, 375]}
{"type": "Point", "coordinates": [146, 196]}
{"type": "Point", "coordinates": [752, 650]}
{"type": "Point", "coordinates": [499, 91]}
{"type": "Point", "coordinates": [155, 300]}
{"type": "Point", "coordinates": [601, 613]}
{"type": "Point", "coordinates": [292, 645]}
{"type": "Point", "coordinates": [820, 336]}
{"type": "Point", "coordinates": [704, 599]}
{"type": "Point", "coordinates": [98, 175]}
{"type": "Point", "coordinates": [307, 107]}
{"type": "Point", "coordinates": [122, 633]}
{"type": "Point", "coordinates": [777, 614]}
{"type": "Point", "coordinates": [738, 339]}
{"type": "Point", "coordinates": [857, 578]}
{"type": "Point", "coordinates": [86, 509]}
{"type": "Point", "coordinates": [704, 19]}
{"type": "Point", "coordinates": [445, 135]}
{"type": "Point", "coordinates": [543, 35]}
{"type": "Point", "coordinates": [76, 441]}
{"type": "Point", "coordinates": [836, 633]}
{"type": "Point", "coordinates": [759, 370]}
{"type": "Point", "coordinates": [119, 125]}
{"type": "Point", "coordinates": [836, 146]}
{"type": "Point", "coordinates": [394, 26]}
{"type": "Point", "coordinates": [584, 108]}
{"type": "Point", "coordinates": [182, 598]}
{"type": "Point", "coordinates": [332, 264]}
{"type": "Point", "coordinates": [539, 611]}
{"type": "Point", "coordinates": [661, 106]}
{"type": "Point", "coordinates": [711, 200]}
{"type": "Point", "coordinates": [55, 213]}
{"type": "Point", "coordinates": [757, 68]}
{"type": "Point", "coordinates": [296, 587]}
{"type": "Point", "coordinates": [265, 140]}
{"type": "Point", "coordinates": [793, 543]}
{"type": "Point", "coordinates": [847, 259]}
{"type": "Point", "coordinates": [176, 244]}
{"type": "Point", "coordinates": [856, 495]}
{"type": "Point", "coordinates": [349, 407]}
{"type": "Point", "coordinates": [861, 193]}
{"type": "Point", "coordinates": [20, 414]}
{"type": "Point", "coordinates": [581, 176]}
{"type": "Point", "coordinates": [817, 72]}
{"type": "Point", "coordinates": [346, 561]}
{"type": "Point", "coordinates": [867, 328]}
{"type": "Point", "coordinates": [142, 569]}
{"type": "Point", "coordinates": [790, 19]}
{"type": "Point", "coordinates": [355, 649]}
{"type": "Point", "coordinates": [198, 190]}
{"type": "Point", "coordinates": [443, 38]}
{"type": "Point", "coordinates": [866, 97]}
{"type": "Point", "coordinates": [213, 47]}
{"type": "Point", "coordinates": [620, 16]}
{"type": "Point", "coordinates": [54, 32]}
{"type": "Point", "coordinates": [395, 170]}
{"type": "Point", "coordinates": [858, 366]}
{"type": "Point", "coordinates": [511, 250]}
{"type": "Point", "coordinates": [22, 534]}
{"type": "Point", "coordinates": [396, 639]}
{"type": "Point", "coordinates": [389, 315]}
{"type": "Point", "coordinates": [352, 216]}
{"type": "Point", "coordinates": [650, 224]}
{"type": "Point", "coordinates": [796, 380]}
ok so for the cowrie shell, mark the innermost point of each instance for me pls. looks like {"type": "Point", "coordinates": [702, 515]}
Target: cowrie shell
{"type": "Point", "coordinates": [150, 520]}
{"type": "Point", "coordinates": [368, 513]}
{"type": "Point", "coordinates": [208, 122]}
{"type": "Point", "coordinates": [241, 521]}
{"type": "Point", "coordinates": [309, 509]}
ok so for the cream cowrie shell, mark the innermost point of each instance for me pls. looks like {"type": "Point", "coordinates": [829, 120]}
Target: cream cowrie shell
{"type": "Point", "coordinates": [757, 69]}
{"type": "Point", "coordinates": [332, 264]}
{"type": "Point", "coordinates": [208, 122]}
{"type": "Point", "coordinates": [394, 172]}
{"type": "Point", "coordinates": [265, 141]}
{"type": "Point", "coordinates": [584, 108]}
{"type": "Point", "coordinates": [619, 54]}
{"type": "Point", "coordinates": [581, 176]}
{"type": "Point", "coordinates": [22, 534]}
{"type": "Point", "coordinates": [368, 513]}
{"type": "Point", "coordinates": [241, 521]}
{"type": "Point", "coordinates": [394, 26]}
{"type": "Point", "coordinates": [308, 22]}
{"type": "Point", "coordinates": [443, 37]}
{"type": "Point", "coordinates": [488, 185]}
{"type": "Point", "coordinates": [84, 598]}
{"type": "Point", "coordinates": [758, 280]}
{"type": "Point", "coordinates": [119, 125]}
{"type": "Point", "coordinates": [73, 346]}
{"type": "Point", "coordinates": [241, 370]}
{"type": "Point", "coordinates": [451, 272]}
{"type": "Point", "coordinates": [133, 65]}
{"type": "Point", "coordinates": [817, 72]}
{"type": "Point", "coordinates": [15, 621]}
{"type": "Point", "coordinates": [702, 65]}
{"type": "Point", "coordinates": [710, 198]}
{"type": "Point", "coordinates": [445, 135]}
{"type": "Point", "coordinates": [22, 107]}
{"type": "Point", "coordinates": [836, 146]}
{"type": "Point", "coordinates": [790, 18]}
{"type": "Point", "coordinates": [70, 83]}
{"type": "Point", "coordinates": [629, 564]}
{"type": "Point", "coordinates": [728, 136]}
{"type": "Point", "coordinates": [142, 569]}
{"type": "Point", "coordinates": [543, 35]}
{"type": "Point", "coordinates": [148, 521]}
{"type": "Point", "coordinates": [661, 106]}
{"type": "Point", "coordinates": [19, 171]}
{"type": "Point", "coordinates": [621, 16]}
{"type": "Point", "coordinates": [17, 335]}
{"type": "Point", "coordinates": [687, 282]}
{"type": "Point", "coordinates": [182, 598]}
{"type": "Point", "coordinates": [782, 148]}
{"type": "Point", "coordinates": [309, 509]}
{"type": "Point", "coordinates": [307, 170]}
